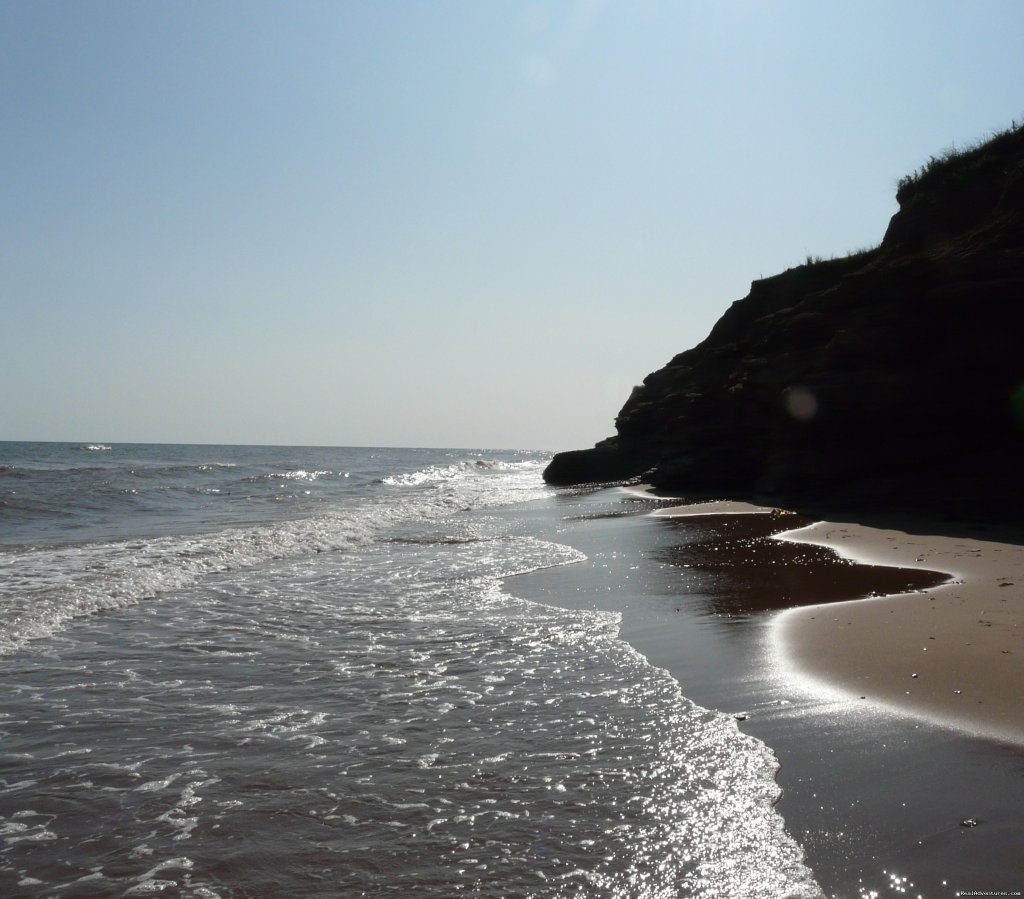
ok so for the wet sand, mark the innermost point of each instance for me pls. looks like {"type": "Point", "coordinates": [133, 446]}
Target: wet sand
{"type": "Point", "coordinates": [872, 792]}
{"type": "Point", "coordinates": [953, 654]}
{"type": "Point", "coordinates": [929, 625]}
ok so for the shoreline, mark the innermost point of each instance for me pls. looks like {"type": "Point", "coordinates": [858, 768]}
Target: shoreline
{"type": "Point", "coordinates": [868, 793]}
{"type": "Point", "coordinates": [951, 654]}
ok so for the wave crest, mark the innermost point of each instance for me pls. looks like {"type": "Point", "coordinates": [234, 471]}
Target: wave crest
{"type": "Point", "coordinates": [435, 473]}
{"type": "Point", "coordinates": [41, 589]}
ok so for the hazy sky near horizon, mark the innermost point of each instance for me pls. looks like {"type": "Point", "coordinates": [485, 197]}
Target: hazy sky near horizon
{"type": "Point", "coordinates": [437, 223]}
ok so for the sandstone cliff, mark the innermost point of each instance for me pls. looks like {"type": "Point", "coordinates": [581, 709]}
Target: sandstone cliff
{"type": "Point", "coordinates": [893, 376]}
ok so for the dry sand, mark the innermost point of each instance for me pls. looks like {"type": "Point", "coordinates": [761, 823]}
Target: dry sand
{"type": "Point", "coordinates": [878, 801]}
{"type": "Point", "coordinates": [952, 654]}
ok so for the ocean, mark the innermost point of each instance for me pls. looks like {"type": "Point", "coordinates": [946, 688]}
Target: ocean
{"type": "Point", "coordinates": [241, 671]}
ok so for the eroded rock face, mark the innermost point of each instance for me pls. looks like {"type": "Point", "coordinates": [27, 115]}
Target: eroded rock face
{"type": "Point", "coordinates": [896, 375]}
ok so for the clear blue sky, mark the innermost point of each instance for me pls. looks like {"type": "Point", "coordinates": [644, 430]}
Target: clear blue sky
{"type": "Point", "coordinates": [437, 223]}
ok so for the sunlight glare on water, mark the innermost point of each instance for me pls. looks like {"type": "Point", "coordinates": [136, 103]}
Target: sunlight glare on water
{"type": "Point", "coordinates": [383, 717]}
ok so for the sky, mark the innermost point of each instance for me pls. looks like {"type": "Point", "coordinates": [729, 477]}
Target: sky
{"type": "Point", "coordinates": [460, 224]}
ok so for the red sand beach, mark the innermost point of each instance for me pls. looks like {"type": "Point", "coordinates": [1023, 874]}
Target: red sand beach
{"type": "Point", "coordinates": [890, 794]}
{"type": "Point", "coordinates": [952, 654]}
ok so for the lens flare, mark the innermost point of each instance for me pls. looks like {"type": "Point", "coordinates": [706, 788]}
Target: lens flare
{"type": "Point", "coordinates": [800, 403]}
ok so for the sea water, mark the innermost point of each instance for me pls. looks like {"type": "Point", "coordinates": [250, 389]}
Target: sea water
{"type": "Point", "coordinates": [279, 671]}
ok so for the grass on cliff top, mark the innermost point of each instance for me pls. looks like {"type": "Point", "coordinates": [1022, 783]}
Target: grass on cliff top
{"type": "Point", "coordinates": [956, 162]}
{"type": "Point", "coordinates": [861, 254]}
{"type": "Point", "coordinates": [953, 164]}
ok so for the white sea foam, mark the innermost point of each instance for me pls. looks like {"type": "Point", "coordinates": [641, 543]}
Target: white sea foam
{"type": "Point", "coordinates": [435, 473]}
{"type": "Point", "coordinates": [42, 589]}
{"type": "Point", "coordinates": [390, 700]}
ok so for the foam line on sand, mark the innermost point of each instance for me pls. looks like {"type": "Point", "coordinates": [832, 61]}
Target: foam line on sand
{"type": "Point", "coordinates": [952, 654]}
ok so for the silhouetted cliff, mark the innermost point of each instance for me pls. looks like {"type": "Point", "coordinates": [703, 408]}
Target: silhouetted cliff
{"type": "Point", "coordinates": [893, 376]}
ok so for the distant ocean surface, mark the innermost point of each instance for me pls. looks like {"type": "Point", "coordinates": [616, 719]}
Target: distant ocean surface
{"type": "Point", "coordinates": [276, 671]}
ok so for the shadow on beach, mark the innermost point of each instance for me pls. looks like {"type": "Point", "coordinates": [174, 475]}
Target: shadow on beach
{"type": "Point", "coordinates": [750, 572]}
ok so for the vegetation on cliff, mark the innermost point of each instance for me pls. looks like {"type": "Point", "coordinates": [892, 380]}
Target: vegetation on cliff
{"type": "Point", "coordinates": [893, 375]}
